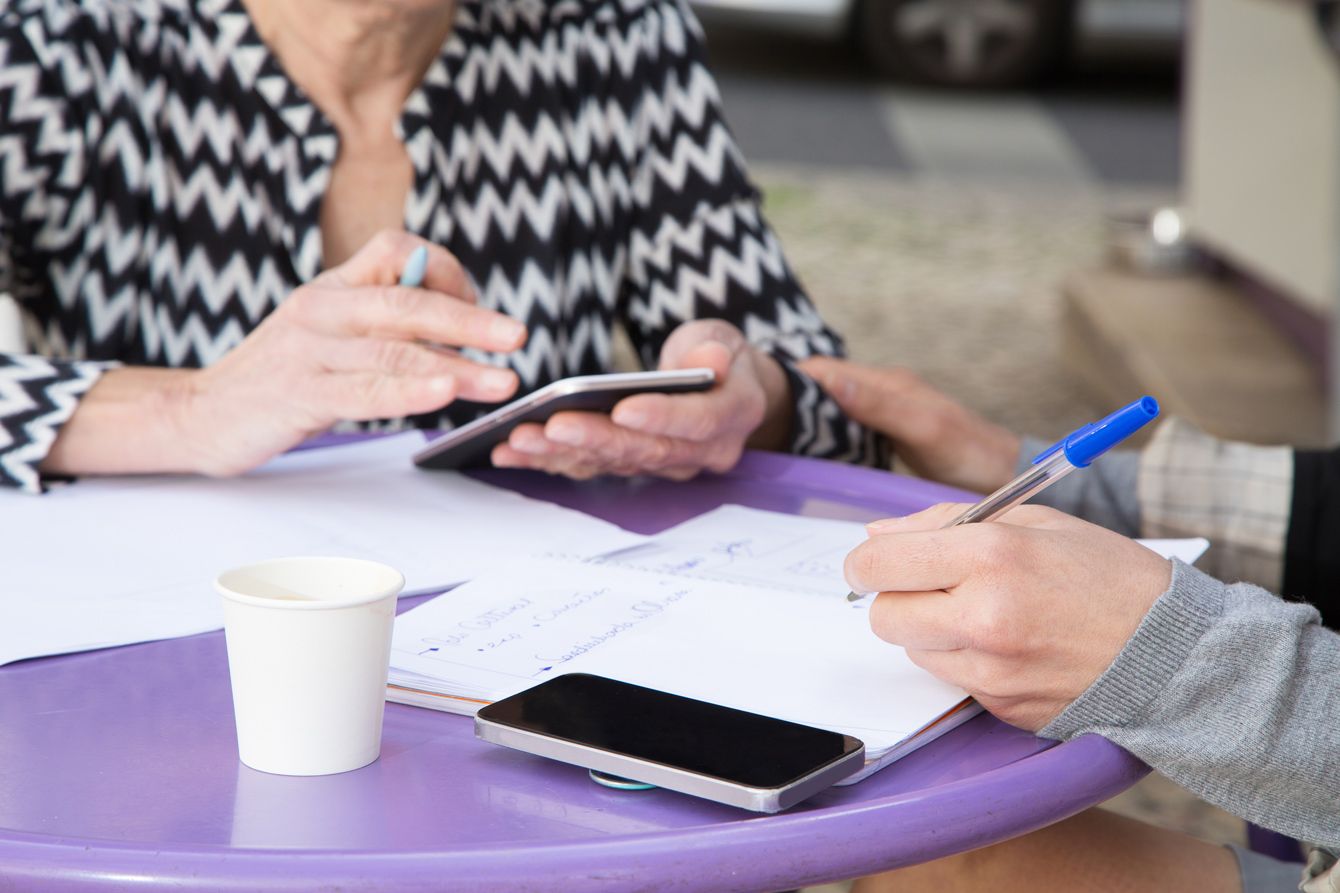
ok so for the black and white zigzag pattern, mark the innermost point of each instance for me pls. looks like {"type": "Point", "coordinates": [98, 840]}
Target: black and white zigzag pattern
{"type": "Point", "coordinates": [160, 183]}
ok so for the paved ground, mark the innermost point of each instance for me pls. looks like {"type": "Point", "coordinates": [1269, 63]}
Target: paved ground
{"type": "Point", "coordinates": [1112, 122]}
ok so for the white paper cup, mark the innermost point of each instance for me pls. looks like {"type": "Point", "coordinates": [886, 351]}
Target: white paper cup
{"type": "Point", "coordinates": [309, 642]}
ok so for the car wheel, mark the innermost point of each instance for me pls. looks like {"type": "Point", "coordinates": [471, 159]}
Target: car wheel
{"type": "Point", "coordinates": [977, 43]}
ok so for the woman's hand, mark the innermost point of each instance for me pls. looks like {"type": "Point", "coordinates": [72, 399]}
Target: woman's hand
{"type": "Point", "coordinates": [938, 438]}
{"type": "Point", "coordinates": [1025, 612]}
{"type": "Point", "coordinates": [350, 345]}
{"type": "Point", "coordinates": [673, 436]}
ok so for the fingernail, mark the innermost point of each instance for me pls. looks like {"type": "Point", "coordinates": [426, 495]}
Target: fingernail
{"type": "Point", "coordinates": [565, 433]}
{"type": "Point", "coordinates": [884, 524]}
{"type": "Point", "coordinates": [508, 330]}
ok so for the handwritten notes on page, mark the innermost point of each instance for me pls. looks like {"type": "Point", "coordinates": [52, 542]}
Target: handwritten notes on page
{"type": "Point", "coordinates": [803, 656]}
{"type": "Point", "coordinates": [113, 561]}
{"type": "Point", "coordinates": [739, 606]}
{"type": "Point", "coordinates": [743, 545]}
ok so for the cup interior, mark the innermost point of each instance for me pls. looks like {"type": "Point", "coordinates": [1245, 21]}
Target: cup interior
{"type": "Point", "coordinates": [310, 583]}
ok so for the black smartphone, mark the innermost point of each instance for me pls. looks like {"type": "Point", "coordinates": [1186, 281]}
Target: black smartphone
{"type": "Point", "coordinates": [470, 445]}
{"type": "Point", "coordinates": [731, 756]}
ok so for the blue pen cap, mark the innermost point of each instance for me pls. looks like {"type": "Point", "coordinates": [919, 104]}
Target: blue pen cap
{"type": "Point", "coordinates": [1096, 438]}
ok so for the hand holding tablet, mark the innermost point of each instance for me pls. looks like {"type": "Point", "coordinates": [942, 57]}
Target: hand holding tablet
{"type": "Point", "coordinates": [470, 445]}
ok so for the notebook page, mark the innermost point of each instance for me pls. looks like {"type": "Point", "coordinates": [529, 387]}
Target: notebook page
{"type": "Point", "coordinates": [779, 551]}
{"type": "Point", "coordinates": [799, 656]}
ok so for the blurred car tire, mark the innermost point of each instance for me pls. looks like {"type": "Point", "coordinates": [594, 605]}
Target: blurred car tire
{"type": "Point", "coordinates": [965, 43]}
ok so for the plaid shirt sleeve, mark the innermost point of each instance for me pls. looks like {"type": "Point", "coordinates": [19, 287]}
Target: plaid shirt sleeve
{"type": "Point", "coordinates": [1236, 495]}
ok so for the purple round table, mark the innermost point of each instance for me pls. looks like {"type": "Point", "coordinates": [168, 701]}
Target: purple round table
{"type": "Point", "coordinates": [119, 769]}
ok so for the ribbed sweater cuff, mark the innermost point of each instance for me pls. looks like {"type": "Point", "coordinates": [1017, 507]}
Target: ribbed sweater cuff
{"type": "Point", "coordinates": [1150, 658]}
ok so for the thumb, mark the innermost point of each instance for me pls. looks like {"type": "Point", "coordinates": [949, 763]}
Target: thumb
{"type": "Point", "coordinates": [710, 355]}
{"type": "Point", "coordinates": [933, 518]}
{"type": "Point", "coordinates": [718, 340]}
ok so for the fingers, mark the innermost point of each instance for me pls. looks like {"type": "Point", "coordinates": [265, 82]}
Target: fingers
{"type": "Point", "coordinates": [405, 313]}
{"type": "Point", "coordinates": [696, 417]}
{"type": "Point", "coordinates": [383, 258]}
{"type": "Point", "coordinates": [712, 343]}
{"type": "Point", "coordinates": [362, 396]}
{"type": "Point", "coordinates": [866, 393]}
{"type": "Point", "coordinates": [922, 621]}
{"type": "Point", "coordinates": [933, 518]}
{"type": "Point", "coordinates": [559, 461]}
{"type": "Point", "coordinates": [925, 560]}
{"type": "Point", "coordinates": [475, 381]}
{"type": "Point", "coordinates": [618, 447]}
{"type": "Point", "coordinates": [579, 444]}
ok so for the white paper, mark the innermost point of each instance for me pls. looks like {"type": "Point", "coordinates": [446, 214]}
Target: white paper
{"type": "Point", "coordinates": [745, 545]}
{"type": "Point", "coordinates": [112, 561]}
{"type": "Point", "coordinates": [736, 544]}
{"type": "Point", "coordinates": [802, 656]}
{"type": "Point", "coordinates": [1186, 551]}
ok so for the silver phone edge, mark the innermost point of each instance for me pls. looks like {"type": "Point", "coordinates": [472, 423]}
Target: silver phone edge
{"type": "Point", "coordinates": [766, 800]}
{"type": "Point", "coordinates": [554, 390]}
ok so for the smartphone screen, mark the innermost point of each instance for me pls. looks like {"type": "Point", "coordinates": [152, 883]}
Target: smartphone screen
{"type": "Point", "coordinates": [705, 739]}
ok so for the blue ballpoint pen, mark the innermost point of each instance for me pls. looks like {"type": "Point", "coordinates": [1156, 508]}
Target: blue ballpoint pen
{"type": "Point", "coordinates": [1078, 450]}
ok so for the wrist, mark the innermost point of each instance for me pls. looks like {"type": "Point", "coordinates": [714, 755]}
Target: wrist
{"type": "Point", "coordinates": [774, 432]}
{"type": "Point", "coordinates": [130, 422]}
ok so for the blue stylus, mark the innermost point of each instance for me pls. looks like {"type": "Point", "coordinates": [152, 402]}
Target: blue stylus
{"type": "Point", "coordinates": [415, 266]}
{"type": "Point", "coordinates": [1078, 450]}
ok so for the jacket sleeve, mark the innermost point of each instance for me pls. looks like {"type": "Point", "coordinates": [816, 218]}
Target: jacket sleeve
{"type": "Point", "coordinates": [698, 245]}
{"type": "Point", "coordinates": [40, 149]}
{"type": "Point", "coordinates": [1231, 692]}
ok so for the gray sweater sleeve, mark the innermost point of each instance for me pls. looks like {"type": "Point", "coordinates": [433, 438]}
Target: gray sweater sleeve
{"type": "Point", "coordinates": [1235, 695]}
{"type": "Point", "coordinates": [1105, 493]}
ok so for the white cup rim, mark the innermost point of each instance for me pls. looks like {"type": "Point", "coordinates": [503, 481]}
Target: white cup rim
{"type": "Point", "coordinates": [390, 591]}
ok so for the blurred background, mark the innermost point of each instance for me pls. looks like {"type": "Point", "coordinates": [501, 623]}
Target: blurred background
{"type": "Point", "coordinates": [1048, 208]}
{"type": "Point", "coordinates": [968, 187]}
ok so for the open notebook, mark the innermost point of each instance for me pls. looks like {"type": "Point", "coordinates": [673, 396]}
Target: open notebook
{"type": "Point", "coordinates": [738, 607]}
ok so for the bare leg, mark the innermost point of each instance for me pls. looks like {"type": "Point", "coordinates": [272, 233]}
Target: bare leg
{"type": "Point", "coordinates": [1094, 851]}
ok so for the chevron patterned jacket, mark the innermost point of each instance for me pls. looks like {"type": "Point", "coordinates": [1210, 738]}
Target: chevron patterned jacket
{"type": "Point", "coordinates": [161, 177]}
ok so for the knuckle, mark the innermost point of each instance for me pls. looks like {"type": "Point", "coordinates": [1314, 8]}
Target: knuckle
{"type": "Point", "coordinates": [300, 304]}
{"type": "Point", "coordinates": [724, 461]}
{"type": "Point", "coordinates": [400, 301]}
{"type": "Point", "coordinates": [386, 241]}
{"type": "Point", "coordinates": [657, 452]}
{"type": "Point", "coordinates": [991, 628]}
{"type": "Point", "coordinates": [704, 427]}
{"type": "Point", "coordinates": [371, 390]}
{"type": "Point", "coordinates": [997, 544]}
{"type": "Point", "coordinates": [862, 566]}
{"type": "Point", "coordinates": [394, 357]}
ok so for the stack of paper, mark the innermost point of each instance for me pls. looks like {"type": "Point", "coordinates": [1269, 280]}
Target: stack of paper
{"type": "Point", "coordinates": [113, 561]}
